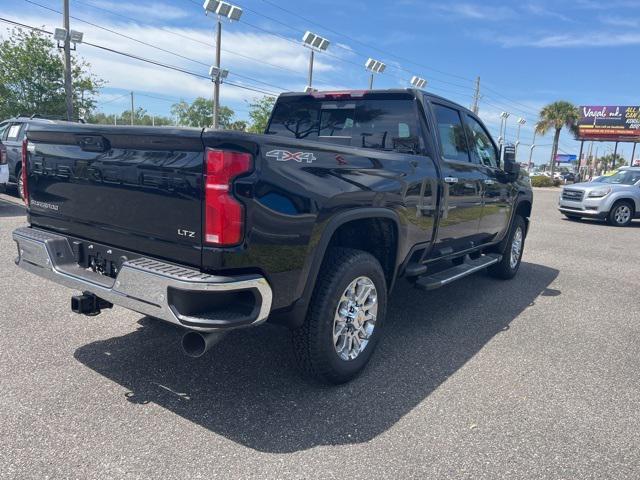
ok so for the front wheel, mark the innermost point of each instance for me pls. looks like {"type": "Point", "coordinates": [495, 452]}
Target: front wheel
{"type": "Point", "coordinates": [345, 317]}
{"type": "Point", "coordinates": [508, 267]}
{"type": "Point", "coordinates": [20, 184]}
{"type": "Point", "coordinates": [621, 214]}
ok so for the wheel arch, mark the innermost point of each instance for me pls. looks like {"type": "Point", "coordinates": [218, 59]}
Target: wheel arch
{"type": "Point", "coordinates": [624, 198]}
{"type": "Point", "coordinates": [333, 233]}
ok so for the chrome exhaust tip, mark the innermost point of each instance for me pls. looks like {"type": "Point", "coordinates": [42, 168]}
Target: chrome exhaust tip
{"type": "Point", "coordinates": [196, 344]}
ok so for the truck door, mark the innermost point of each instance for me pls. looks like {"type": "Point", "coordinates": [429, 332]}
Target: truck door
{"type": "Point", "coordinates": [499, 192]}
{"type": "Point", "coordinates": [462, 184]}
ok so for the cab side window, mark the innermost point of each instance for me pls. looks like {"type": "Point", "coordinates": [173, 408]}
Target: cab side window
{"type": "Point", "coordinates": [13, 133]}
{"type": "Point", "coordinates": [482, 148]}
{"type": "Point", "coordinates": [452, 135]}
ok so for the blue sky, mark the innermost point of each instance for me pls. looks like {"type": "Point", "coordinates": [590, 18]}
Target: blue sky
{"type": "Point", "coordinates": [527, 53]}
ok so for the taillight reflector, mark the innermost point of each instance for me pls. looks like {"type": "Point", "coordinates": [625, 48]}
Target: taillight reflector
{"type": "Point", "coordinates": [224, 215]}
{"type": "Point", "coordinates": [24, 172]}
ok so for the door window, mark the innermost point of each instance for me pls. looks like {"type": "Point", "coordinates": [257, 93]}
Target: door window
{"type": "Point", "coordinates": [483, 150]}
{"type": "Point", "coordinates": [452, 135]}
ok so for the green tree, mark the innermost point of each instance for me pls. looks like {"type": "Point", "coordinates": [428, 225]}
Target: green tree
{"type": "Point", "coordinates": [239, 125]}
{"type": "Point", "coordinates": [32, 78]}
{"type": "Point", "coordinates": [200, 114]}
{"type": "Point", "coordinates": [612, 161]}
{"type": "Point", "coordinates": [259, 113]}
{"type": "Point", "coordinates": [554, 117]}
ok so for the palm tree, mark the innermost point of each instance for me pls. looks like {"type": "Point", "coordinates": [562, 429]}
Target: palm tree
{"type": "Point", "coordinates": [557, 116]}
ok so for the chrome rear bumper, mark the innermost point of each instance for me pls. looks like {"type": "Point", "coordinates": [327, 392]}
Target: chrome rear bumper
{"type": "Point", "coordinates": [149, 286]}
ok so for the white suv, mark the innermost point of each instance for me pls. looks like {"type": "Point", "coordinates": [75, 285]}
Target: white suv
{"type": "Point", "coordinates": [615, 198]}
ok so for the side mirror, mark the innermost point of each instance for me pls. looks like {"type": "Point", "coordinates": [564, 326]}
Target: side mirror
{"type": "Point", "coordinates": [509, 164]}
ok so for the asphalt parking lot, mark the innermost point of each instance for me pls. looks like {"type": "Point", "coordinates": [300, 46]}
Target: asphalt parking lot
{"type": "Point", "coordinates": [538, 377]}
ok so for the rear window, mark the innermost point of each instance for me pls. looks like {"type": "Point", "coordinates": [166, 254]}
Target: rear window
{"type": "Point", "coordinates": [389, 124]}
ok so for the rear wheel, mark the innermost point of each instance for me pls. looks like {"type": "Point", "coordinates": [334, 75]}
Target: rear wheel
{"type": "Point", "coordinates": [345, 317]}
{"type": "Point", "coordinates": [621, 214]}
{"type": "Point", "coordinates": [508, 267]}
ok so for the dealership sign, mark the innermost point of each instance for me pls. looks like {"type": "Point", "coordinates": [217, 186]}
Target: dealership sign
{"type": "Point", "coordinates": [566, 159]}
{"type": "Point", "coordinates": [618, 123]}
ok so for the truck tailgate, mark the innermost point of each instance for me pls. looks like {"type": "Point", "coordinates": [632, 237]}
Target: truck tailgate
{"type": "Point", "coordinates": [135, 188]}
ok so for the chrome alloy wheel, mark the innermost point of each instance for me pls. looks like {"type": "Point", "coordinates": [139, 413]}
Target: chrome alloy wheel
{"type": "Point", "coordinates": [355, 318]}
{"type": "Point", "coordinates": [516, 247]}
{"type": "Point", "coordinates": [622, 214]}
{"type": "Point", "coordinates": [21, 186]}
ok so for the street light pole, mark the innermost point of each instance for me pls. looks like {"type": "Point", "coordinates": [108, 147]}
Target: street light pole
{"type": "Point", "coordinates": [314, 43]}
{"type": "Point", "coordinates": [374, 66]}
{"type": "Point", "coordinates": [68, 90]}
{"type": "Point", "coordinates": [216, 82]}
{"type": "Point", "coordinates": [233, 13]}
{"type": "Point", "coordinates": [311, 58]}
{"type": "Point", "coordinates": [503, 134]}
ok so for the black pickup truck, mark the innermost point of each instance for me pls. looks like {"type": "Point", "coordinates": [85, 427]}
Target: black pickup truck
{"type": "Point", "coordinates": [309, 225]}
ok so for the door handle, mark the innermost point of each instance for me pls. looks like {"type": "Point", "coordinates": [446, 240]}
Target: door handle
{"type": "Point", "coordinates": [489, 182]}
{"type": "Point", "coordinates": [450, 179]}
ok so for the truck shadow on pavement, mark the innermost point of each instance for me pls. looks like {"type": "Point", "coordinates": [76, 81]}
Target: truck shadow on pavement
{"type": "Point", "coordinates": [9, 209]}
{"type": "Point", "coordinates": [247, 388]}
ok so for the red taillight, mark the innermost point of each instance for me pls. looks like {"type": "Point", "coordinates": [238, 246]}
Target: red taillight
{"type": "Point", "coordinates": [224, 215]}
{"type": "Point", "coordinates": [3, 155]}
{"type": "Point", "coordinates": [24, 174]}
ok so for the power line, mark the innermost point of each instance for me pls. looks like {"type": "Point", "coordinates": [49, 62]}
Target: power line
{"type": "Point", "coordinates": [142, 59]}
{"type": "Point", "coordinates": [150, 45]}
{"type": "Point", "coordinates": [193, 39]}
{"type": "Point", "coordinates": [273, 4]}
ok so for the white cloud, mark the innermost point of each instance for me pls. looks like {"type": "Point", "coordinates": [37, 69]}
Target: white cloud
{"type": "Point", "coordinates": [153, 11]}
{"type": "Point", "coordinates": [475, 12]}
{"type": "Point", "coordinates": [568, 40]}
{"type": "Point", "coordinates": [274, 61]}
{"type": "Point", "coordinates": [625, 22]}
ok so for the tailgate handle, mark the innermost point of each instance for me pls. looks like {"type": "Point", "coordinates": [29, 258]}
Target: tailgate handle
{"type": "Point", "coordinates": [93, 143]}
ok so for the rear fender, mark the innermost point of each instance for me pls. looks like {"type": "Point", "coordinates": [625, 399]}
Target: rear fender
{"type": "Point", "coordinates": [295, 316]}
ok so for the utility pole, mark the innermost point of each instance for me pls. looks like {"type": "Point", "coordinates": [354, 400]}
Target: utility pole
{"type": "Point", "coordinates": [67, 63]}
{"type": "Point", "coordinates": [216, 82]}
{"type": "Point", "coordinates": [476, 98]}
{"type": "Point", "coordinates": [132, 109]}
{"type": "Point", "coordinates": [533, 146]}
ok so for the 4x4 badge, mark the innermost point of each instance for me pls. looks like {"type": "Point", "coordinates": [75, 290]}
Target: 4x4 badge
{"type": "Point", "coordinates": [285, 156]}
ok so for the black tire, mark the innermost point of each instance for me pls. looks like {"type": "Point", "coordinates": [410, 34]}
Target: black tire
{"type": "Point", "coordinates": [575, 218]}
{"type": "Point", "coordinates": [20, 184]}
{"type": "Point", "coordinates": [621, 214]}
{"type": "Point", "coordinates": [504, 269]}
{"type": "Point", "coordinates": [313, 343]}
